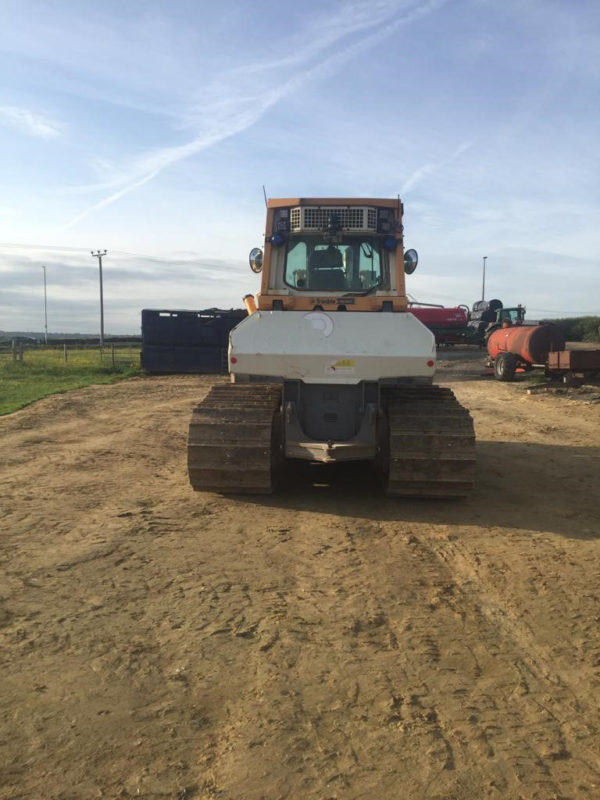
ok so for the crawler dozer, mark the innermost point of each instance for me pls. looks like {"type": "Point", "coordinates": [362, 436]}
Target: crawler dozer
{"type": "Point", "coordinates": [330, 365]}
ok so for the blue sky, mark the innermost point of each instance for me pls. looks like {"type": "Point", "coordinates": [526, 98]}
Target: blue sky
{"type": "Point", "coordinates": [149, 127]}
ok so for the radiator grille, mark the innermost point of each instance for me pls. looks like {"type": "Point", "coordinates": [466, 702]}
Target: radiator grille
{"type": "Point", "coordinates": [314, 218]}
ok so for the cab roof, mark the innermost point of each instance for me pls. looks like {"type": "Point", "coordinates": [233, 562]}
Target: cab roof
{"type": "Point", "coordinates": [284, 202]}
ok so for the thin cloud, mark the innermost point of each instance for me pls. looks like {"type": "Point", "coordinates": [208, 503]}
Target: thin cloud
{"type": "Point", "coordinates": [417, 176]}
{"type": "Point", "coordinates": [351, 18]}
{"type": "Point", "coordinates": [29, 122]}
{"type": "Point", "coordinates": [229, 114]}
{"type": "Point", "coordinates": [434, 166]}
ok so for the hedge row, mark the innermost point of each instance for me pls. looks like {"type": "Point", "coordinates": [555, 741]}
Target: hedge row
{"type": "Point", "coordinates": [579, 329]}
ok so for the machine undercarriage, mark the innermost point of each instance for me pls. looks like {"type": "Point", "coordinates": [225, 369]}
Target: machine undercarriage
{"type": "Point", "coordinates": [423, 441]}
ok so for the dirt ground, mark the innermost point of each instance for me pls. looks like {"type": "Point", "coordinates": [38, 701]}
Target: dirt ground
{"type": "Point", "coordinates": [325, 642]}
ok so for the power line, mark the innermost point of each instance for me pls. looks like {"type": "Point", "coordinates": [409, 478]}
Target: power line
{"type": "Point", "coordinates": [65, 248]}
{"type": "Point", "coordinates": [29, 246]}
{"type": "Point", "coordinates": [564, 311]}
{"type": "Point", "coordinates": [191, 262]}
{"type": "Point", "coordinates": [157, 259]}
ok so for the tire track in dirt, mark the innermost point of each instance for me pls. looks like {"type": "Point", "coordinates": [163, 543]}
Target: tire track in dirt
{"type": "Point", "coordinates": [563, 686]}
{"type": "Point", "coordinates": [535, 737]}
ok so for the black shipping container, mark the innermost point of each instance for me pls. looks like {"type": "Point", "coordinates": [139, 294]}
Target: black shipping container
{"type": "Point", "coordinates": [184, 359]}
{"type": "Point", "coordinates": [187, 341]}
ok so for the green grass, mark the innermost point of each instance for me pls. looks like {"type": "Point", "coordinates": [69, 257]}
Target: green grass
{"type": "Point", "coordinates": [45, 372]}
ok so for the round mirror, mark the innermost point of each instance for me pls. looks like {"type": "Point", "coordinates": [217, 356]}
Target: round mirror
{"type": "Point", "coordinates": [411, 259]}
{"type": "Point", "coordinates": [256, 257]}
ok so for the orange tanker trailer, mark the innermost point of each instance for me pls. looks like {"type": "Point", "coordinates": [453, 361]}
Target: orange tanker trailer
{"type": "Point", "coordinates": [522, 347]}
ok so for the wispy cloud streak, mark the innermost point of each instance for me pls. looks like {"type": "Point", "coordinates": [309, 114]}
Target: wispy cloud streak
{"type": "Point", "coordinates": [430, 167]}
{"type": "Point", "coordinates": [29, 122]}
{"type": "Point", "coordinates": [232, 109]}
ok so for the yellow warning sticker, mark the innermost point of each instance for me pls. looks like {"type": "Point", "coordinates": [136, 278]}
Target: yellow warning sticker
{"type": "Point", "coordinates": [342, 366]}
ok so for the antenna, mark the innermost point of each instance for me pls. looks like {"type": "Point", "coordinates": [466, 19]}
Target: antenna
{"type": "Point", "coordinates": [265, 195]}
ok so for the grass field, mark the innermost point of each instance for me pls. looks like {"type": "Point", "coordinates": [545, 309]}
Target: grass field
{"type": "Point", "coordinates": [45, 371]}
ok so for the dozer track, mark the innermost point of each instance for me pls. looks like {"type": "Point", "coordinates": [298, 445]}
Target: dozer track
{"type": "Point", "coordinates": [232, 441]}
{"type": "Point", "coordinates": [431, 443]}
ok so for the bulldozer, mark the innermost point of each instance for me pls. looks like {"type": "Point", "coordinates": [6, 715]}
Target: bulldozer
{"type": "Point", "coordinates": [330, 365]}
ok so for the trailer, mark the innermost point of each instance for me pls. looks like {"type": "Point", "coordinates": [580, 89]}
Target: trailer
{"type": "Point", "coordinates": [574, 366]}
{"type": "Point", "coordinates": [448, 325]}
{"type": "Point", "coordinates": [513, 349]}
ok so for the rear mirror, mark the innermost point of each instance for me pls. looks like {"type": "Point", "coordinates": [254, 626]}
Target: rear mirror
{"type": "Point", "coordinates": [256, 259]}
{"type": "Point", "coordinates": [411, 259]}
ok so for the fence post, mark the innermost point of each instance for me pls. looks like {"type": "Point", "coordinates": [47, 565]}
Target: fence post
{"type": "Point", "coordinates": [112, 354]}
{"type": "Point", "coordinates": [65, 352]}
{"type": "Point", "coordinates": [17, 350]}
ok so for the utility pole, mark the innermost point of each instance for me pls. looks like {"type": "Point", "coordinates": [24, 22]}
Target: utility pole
{"type": "Point", "coordinates": [45, 309]}
{"type": "Point", "coordinates": [99, 254]}
{"type": "Point", "coordinates": [483, 285]}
